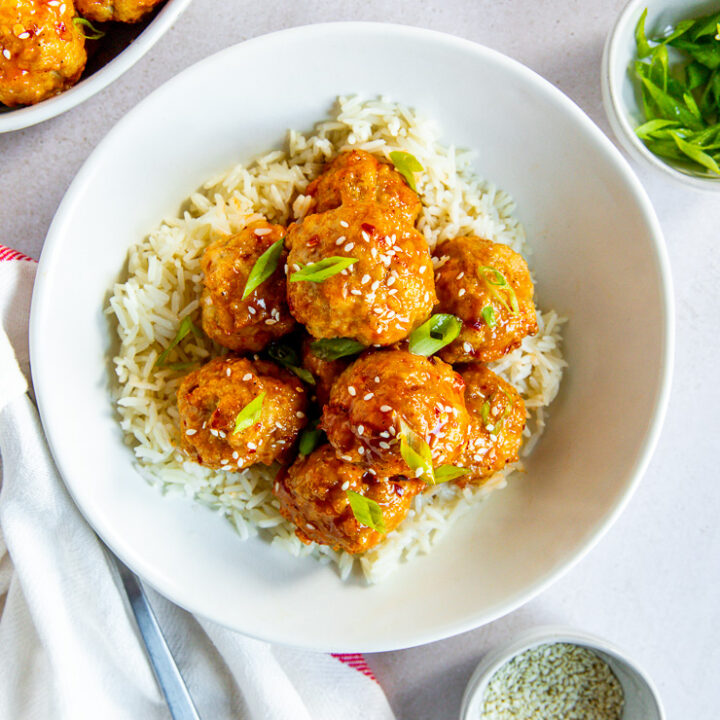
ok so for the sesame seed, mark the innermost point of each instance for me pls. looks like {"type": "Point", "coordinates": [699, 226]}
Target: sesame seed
{"type": "Point", "coordinates": [385, 408]}
{"type": "Point", "coordinates": [277, 486]}
{"type": "Point", "coordinates": [392, 279]}
{"type": "Point", "coordinates": [375, 285]}
{"type": "Point", "coordinates": [352, 390]}
{"type": "Point", "coordinates": [377, 379]}
{"type": "Point", "coordinates": [385, 434]}
{"type": "Point", "coordinates": [392, 292]}
{"type": "Point", "coordinates": [252, 446]}
{"type": "Point", "coordinates": [369, 396]}
{"type": "Point", "coordinates": [300, 414]}
{"type": "Point", "coordinates": [221, 434]}
{"type": "Point", "coordinates": [7, 54]}
{"type": "Point", "coordinates": [344, 224]}
{"type": "Point", "coordinates": [422, 269]}
{"type": "Point", "coordinates": [252, 310]}
{"type": "Point", "coordinates": [345, 485]}
{"type": "Point", "coordinates": [190, 431]}
{"type": "Point", "coordinates": [309, 526]}
{"type": "Point", "coordinates": [365, 279]}
{"type": "Point", "coordinates": [340, 240]}
{"type": "Point", "coordinates": [392, 430]}
{"type": "Point", "coordinates": [460, 276]}
{"type": "Point", "coordinates": [349, 247]}
{"type": "Point", "coordinates": [467, 347]}
{"type": "Point", "coordinates": [384, 445]}
{"type": "Point", "coordinates": [361, 450]}
{"type": "Point", "coordinates": [247, 376]}
{"type": "Point", "coordinates": [360, 429]}
{"type": "Point", "coordinates": [236, 455]}
{"type": "Point", "coordinates": [213, 432]}
{"type": "Point", "coordinates": [461, 292]}
{"type": "Point", "coordinates": [355, 291]}
{"type": "Point", "coordinates": [23, 35]}
{"type": "Point", "coordinates": [228, 372]}
{"type": "Point", "coordinates": [366, 237]}
{"type": "Point", "coordinates": [262, 231]}
{"type": "Point", "coordinates": [346, 458]}
{"type": "Point", "coordinates": [419, 472]}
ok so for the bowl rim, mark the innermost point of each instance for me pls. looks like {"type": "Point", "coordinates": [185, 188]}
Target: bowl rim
{"type": "Point", "coordinates": [29, 115]}
{"type": "Point", "coordinates": [501, 654]}
{"type": "Point", "coordinates": [618, 118]}
{"type": "Point", "coordinates": [53, 250]}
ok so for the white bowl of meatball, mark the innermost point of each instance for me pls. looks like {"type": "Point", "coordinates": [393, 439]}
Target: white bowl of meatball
{"type": "Point", "coordinates": [55, 54]}
{"type": "Point", "coordinates": [333, 345]}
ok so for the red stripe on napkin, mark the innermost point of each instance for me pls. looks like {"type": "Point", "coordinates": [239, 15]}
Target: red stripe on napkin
{"type": "Point", "coordinates": [356, 661]}
{"type": "Point", "coordinates": [7, 253]}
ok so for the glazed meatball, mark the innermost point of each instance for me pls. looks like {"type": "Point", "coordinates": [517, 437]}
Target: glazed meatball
{"type": "Point", "coordinates": [488, 286]}
{"type": "Point", "coordinates": [127, 11]}
{"type": "Point", "coordinates": [497, 421]}
{"type": "Point", "coordinates": [312, 494]}
{"type": "Point", "coordinates": [42, 52]}
{"type": "Point", "coordinates": [210, 399]}
{"type": "Point", "coordinates": [378, 300]}
{"type": "Point", "coordinates": [250, 324]}
{"type": "Point", "coordinates": [381, 390]}
{"type": "Point", "coordinates": [325, 372]}
{"type": "Point", "coordinates": [359, 177]}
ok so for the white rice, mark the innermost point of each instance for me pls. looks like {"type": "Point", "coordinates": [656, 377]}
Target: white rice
{"type": "Point", "coordinates": [164, 282]}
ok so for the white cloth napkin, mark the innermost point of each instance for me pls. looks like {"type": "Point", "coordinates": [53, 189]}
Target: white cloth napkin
{"type": "Point", "coordinates": [69, 646]}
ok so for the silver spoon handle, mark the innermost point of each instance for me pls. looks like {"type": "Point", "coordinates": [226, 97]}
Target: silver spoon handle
{"type": "Point", "coordinates": [163, 664]}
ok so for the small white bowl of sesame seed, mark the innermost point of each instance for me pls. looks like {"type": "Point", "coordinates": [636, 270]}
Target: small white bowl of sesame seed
{"type": "Point", "coordinates": [558, 673]}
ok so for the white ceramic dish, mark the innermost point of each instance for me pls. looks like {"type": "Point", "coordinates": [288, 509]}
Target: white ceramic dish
{"type": "Point", "coordinates": [22, 117]}
{"type": "Point", "coordinates": [599, 259]}
{"type": "Point", "coordinates": [642, 701]}
{"type": "Point", "coordinates": [621, 96]}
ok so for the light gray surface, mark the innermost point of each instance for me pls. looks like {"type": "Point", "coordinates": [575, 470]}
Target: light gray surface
{"type": "Point", "coordinates": [653, 584]}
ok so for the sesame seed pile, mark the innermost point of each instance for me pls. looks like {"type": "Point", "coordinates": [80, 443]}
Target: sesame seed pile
{"type": "Point", "coordinates": [556, 681]}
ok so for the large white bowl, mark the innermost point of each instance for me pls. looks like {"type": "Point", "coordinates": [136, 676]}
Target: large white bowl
{"type": "Point", "coordinates": [93, 82]}
{"type": "Point", "coordinates": [599, 259]}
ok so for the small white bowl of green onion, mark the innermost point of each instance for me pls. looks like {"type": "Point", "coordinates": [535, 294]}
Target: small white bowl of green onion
{"type": "Point", "coordinates": [661, 87]}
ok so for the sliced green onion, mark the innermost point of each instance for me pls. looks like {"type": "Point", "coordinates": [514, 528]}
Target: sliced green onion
{"type": "Point", "coordinates": [288, 357]}
{"type": "Point", "coordinates": [416, 453]}
{"type": "Point", "coordinates": [366, 511]}
{"type": "Point", "coordinates": [485, 413]}
{"type": "Point", "coordinates": [407, 165]}
{"type": "Point", "coordinates": [643, 46]}
{"type": "Point", "coordinates": [488, 313]}
{"type": "Point", "coordinates": [322, 270]}
{"type": "Point", "coordinates": [310, 439]}
{"type": "Point", "coordinates": [498, 280]}
{"type": "Point", "coordinates": [186, 326]}
{"type": "Point", "coordinates": [696, 154]}
{"type": "Point", "coordinates": [82, 23]}
{"type": "Point", "coordinates": [651, 127]}
{"type": "Point", "coordinates": [335, 348]}
{"type": "Point", "coordinates": [264, 267]}
{"type": "Point", "coordinates": [444, 473]}
{"type": "Point", "coordinates": [434, 334]}
{"type": "Point", "coordinates": [250, 414]}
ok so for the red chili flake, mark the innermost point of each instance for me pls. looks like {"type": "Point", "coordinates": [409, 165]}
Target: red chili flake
{"type": "Point", "coordinates": [368, 228]}
{"type": "Point", "coordinates": [313, 241]}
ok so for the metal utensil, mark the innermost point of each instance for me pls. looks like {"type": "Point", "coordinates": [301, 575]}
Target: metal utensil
{"type": "Point", "coordinates": [161, 660]}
